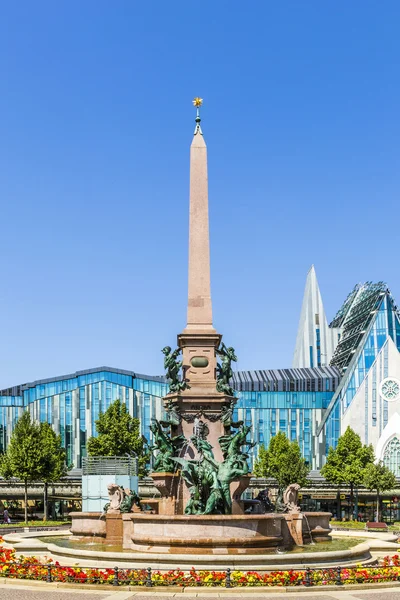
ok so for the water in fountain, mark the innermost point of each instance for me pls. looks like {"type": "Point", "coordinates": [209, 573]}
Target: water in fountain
{"type": "Point", "coordinates": [179, 486]}
{"type": "Point", "coordinates": [309, 529]}
{"type": "Point", "coordinates": [94, 541]}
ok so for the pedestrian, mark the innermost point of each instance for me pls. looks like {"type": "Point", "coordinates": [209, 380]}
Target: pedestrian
{"type": "Point", "coordinates": [6, 517]}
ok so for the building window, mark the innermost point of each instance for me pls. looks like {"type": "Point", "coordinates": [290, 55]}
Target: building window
{"type": "Point", "coordinates": [391, 458]}
{"type": "Point", "coordinates": [390, 389]}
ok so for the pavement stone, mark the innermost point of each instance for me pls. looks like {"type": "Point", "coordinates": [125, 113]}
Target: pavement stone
{"type": "Point", "coordinates": [8, 593]}
{"type": "Point", "coordinates": [391, 595]}
{"type": "Point", "coordinates": [25, 593]}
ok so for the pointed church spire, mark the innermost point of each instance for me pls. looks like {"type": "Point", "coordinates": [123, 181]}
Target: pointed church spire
{"type": "Point", "coordinates": [199, 314]}
{"type": "Point", "coordinates": [315, 342]}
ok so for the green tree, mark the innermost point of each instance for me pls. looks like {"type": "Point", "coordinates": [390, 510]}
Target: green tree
{"type": "Point", "coordinates": [378, 478]}
{"type": "Point", "coordinates": [23, 456]}
{"type": "Point", "coordinates": [53, 460]}
{"type": "Point", "coordinates": [282, 461]}
{"type": "Point", "coordinates": [119, 435]}
{"type": "Point", "coordinates": [346, 463]}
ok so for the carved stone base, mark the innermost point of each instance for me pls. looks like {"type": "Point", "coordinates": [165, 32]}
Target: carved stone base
{"type": "Point", "coordinates": [237, 488]}
{"type": "Point", "coordinates": [294, 522]}
{"type": "Point", "coordinates": [167, 484]}
{"type": "Point", "coordinates": [114, 528]}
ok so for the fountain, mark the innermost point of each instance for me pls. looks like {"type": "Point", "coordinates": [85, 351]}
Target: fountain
{"type": "Point", "coordinates": [200, 462]}
{"type": "Point", "coordinates": [201, 456]}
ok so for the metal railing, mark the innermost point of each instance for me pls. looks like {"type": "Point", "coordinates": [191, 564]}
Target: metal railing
{"type": "Point", "coordinates": [228, 578]}
{"type": "Point", "coordinates": [110, 465]}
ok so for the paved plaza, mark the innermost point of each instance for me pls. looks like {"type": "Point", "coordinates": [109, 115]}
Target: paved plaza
{"type": "Point", "coordinates": [25, 592]}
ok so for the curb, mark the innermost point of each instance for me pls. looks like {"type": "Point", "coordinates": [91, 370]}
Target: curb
{"type": "Point", "coordinates": [163, 590]}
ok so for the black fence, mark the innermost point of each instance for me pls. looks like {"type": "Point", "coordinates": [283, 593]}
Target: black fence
{"type": "Point", "coordinates": [228, 578]}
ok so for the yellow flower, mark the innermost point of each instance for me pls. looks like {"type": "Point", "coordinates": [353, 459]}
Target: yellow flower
{"type": "Point", "coordinates": [197, 102]}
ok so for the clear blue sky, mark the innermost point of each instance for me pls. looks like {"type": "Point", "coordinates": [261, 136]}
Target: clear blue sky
{"type": "Point", "coordinates": [301, 119]}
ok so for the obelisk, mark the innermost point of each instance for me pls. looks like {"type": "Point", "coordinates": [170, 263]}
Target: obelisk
{"type": "Point", "coordinates": [199, 312]}
{"type": "Point", "coordinates": [199, 341]}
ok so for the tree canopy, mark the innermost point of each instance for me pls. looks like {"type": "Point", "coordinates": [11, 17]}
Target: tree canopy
{"type": "Point", "coordinates": [23, 458]}
{"type": "Point", "coordinates": [346, 463]}
{"type": "Point", "coordinates": [33, 454]}
{"type": "Point", "coordinates": [119, 435]}
{"type": "Point", "coordinates": [54, 465]}
{"type": "Point", "coordinates": [377, 477]}
{"type": "Point", "coordinates": [53, 459]}
{"type": "Point", "coordinates": [282, 461]}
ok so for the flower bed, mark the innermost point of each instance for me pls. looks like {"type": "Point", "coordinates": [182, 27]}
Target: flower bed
{"type": "Point", "coordinates": [30, 567]}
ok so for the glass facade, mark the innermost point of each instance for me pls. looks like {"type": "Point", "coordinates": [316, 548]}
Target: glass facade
{"type": "Point", "coordinates": [305, 403]}
{"type": "Point", "coordinates": [288, 400]}
{"type": "Point", "coordinates": [294, 413]}
{"type": "Point", "coordinates": [72, 404]}
{"type": "Point", "coordinates": [383, 321]}
{"type": "Point", "coordinates": [332, 427]}
{"type": "Point", "coordinates": [11, 408]}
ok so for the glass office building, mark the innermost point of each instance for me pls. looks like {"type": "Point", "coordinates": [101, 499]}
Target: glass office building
{"type": "Point", "coordinates": [72, 403]}
{"type": "Point", "coordinates": [311, 404]}
{"type": "Point", "coordinates": [289, 400]}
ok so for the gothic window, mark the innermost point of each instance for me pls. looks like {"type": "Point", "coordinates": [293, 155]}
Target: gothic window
{"type": "Point", "coordinates": [391, 458]}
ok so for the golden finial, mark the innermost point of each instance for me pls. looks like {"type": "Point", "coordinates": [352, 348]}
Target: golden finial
{"type": "Point", "coordinates": [197, 102]}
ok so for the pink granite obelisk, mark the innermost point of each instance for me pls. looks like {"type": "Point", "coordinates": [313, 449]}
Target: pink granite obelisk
{"type": "Point", "coordinates": [199, 312]}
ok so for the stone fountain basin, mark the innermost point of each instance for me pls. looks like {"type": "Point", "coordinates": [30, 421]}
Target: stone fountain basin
{"type": "Point", "coordinates": [202, 534]}
{"type": "Point", "coordinates": [219, 534]}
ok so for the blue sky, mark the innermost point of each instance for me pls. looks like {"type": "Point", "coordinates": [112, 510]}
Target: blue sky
{"type": "Point", "coordinates": [301, 119]}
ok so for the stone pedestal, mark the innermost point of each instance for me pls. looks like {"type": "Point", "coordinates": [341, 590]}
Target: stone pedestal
{"type": "Point", "coordinates": [114, 528]}
{"type": "Point", "coordinates": [316, 527]}
{"type": "Point", "coordinates": [237, 488]}
{"type": "Point", "coordinates": [294, 523]}
{"type": "Point", "coordinates": [167, 484]}
{"type": "Point", "coordinates": [88, 524]}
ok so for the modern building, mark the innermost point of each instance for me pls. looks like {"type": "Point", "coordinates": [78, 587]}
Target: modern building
{"type": "Point", "coordinates": [316, 341]}
{"type": "Point", "coordinates": [362, 343]}
{"type": "Point", "coordinates": [312, 404]}
{"type": "Point", "coordinates": [290, 400]}
{"type": "Point", "coordinates": [368, 358]}
{"type": "Point", "coordinates": [72, 403]}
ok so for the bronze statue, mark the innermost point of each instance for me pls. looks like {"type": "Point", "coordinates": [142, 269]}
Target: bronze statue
{"type": "Point", "coordinates": [173, 414]}
{"type": "Point", "coordinates": [224, 370]}
{"type": "Point", "coordinates": [265, 501]}
{"type": "Point", "coordinates": [173, 366]}
{"type": "Point", "coordinates": [227, 415]}
{"type": "Point", "coordinates": [207, 479]}
{"type": "Point", "coordinates": [168, 447]}
{"type": "Point", "coordinates": [231, 444]}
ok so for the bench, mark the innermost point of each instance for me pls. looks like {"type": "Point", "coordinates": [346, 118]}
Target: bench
{"type": "Point", "coordinates": [373, 525]}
